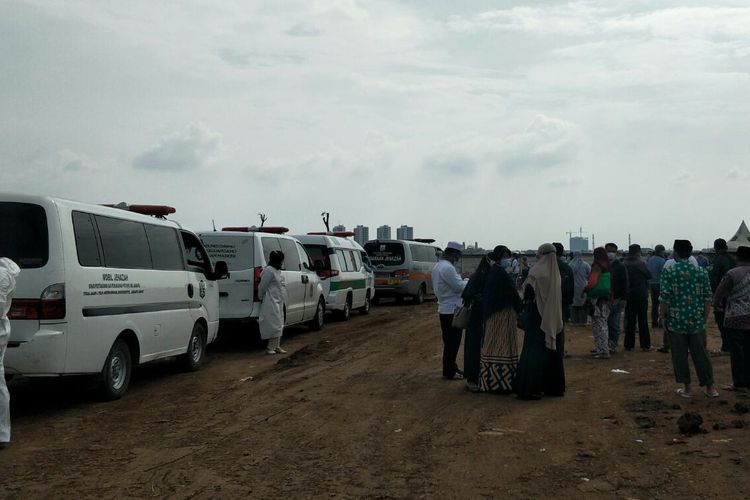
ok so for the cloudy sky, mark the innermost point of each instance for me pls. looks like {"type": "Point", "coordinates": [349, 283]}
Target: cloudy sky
{"type": "Point", "coordinates": [490, 121]}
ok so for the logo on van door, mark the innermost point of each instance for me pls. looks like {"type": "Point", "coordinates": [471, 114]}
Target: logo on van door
{"type": "Point", "coordinates": [202, 289]}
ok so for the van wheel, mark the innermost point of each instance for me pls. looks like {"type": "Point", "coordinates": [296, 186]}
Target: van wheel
{"type": "Point", "coordinates": [196, 349]}
{"type": "Point", "coordinates": [419, 297]}
{"type": "Point", "coordinates": [346, 313]}
{"type": "Point", "coordinates": [117, 371]}
{"type": "Point", "coordinates": [365, 309]}
{"type": "Point", "coordinates": [317, 322]}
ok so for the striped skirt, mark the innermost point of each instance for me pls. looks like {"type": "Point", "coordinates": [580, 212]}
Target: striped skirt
{"type": "Point", "coordinates": [497, 365]}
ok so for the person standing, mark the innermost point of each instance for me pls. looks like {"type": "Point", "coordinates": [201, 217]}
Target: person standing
{"type": "Point", "coordinates": [581, 272]}
{"type": "Point", "coordinates": [541, 369]}
{"type": "Point", "coordinates": [619, 295]}
{"type": "Point", "coordinates": [733, 296]}
{"type": "Point", "coordinates": [636, 308]}
{"type": "Point", "coordinates": [599, 292]}
{"type": "Point", "coordinates": [685, 302]}
{"type": "Point", "coordinates": [272, 290]}
{"type": "Point", "coordinates": [655, 264]}
{"type": "Point", "coordinates": [448, 287]}
{"type": "Point", "coordinates": [500, 343]}
{"type": "Point", "coordinates": [473, 298]}
{"type": "Point", "coordinates": [9, 271]}
{"type": "Point", "coordinates": [567, 281]}
{"type": "Point", "coordinates": [723, 262]}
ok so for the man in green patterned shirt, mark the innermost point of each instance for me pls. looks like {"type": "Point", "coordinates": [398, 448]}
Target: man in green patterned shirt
{"type": "Point", "coordinates": [685, 296]}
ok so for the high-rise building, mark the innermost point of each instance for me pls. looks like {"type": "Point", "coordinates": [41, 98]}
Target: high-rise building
{"type": "Point", "coordinates": [339, 229]}
{"type": "Point", "coordinates": [579, 244]}
{"type": "Point", "coordinates": [361, 234]}
{"type": "Point", "coordinates": [384, 232]}
{"type": "Point", "coordinates": [405, 233]}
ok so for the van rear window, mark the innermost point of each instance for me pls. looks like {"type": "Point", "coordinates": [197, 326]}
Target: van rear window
{"type": "Point", "coordinates": [386, 254]}
{"type": "Point", "coordinates": [319, 253]}
{"type": "Point", "coordinates": [23, 234]}
{"type": "Point", "coordinates": [236, 252]}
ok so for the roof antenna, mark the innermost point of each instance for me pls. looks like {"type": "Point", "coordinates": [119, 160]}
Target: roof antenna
{"type": "Point", "coordinates": [263, 218]}
{"type": "Point", "coordinates": [213, 223]}
{"type": "Point", "coordinates": [326, 217]}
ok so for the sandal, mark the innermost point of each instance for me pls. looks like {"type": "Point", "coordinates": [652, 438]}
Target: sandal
{"type": "Point", "coordinates": [684, 394]}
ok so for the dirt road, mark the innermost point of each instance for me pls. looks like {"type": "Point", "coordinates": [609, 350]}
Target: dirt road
{"type": "Point", "coordinates": [360, 410]}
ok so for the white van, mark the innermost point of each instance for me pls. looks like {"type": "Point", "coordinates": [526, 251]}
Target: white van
{"type": "Point", "coordinates": [246, 251]}
{"type": "Point", "coordinates": [102, 289]}
{"type": "Point", "coordinates": [347, 284]}
{"type": "Point", "coordinates": [403, 268]}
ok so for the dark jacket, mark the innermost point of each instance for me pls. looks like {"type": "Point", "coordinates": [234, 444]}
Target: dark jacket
{"type": "Point", "coordinates": [567, 283]}
{"type": "Point", "coordinates": [620, 284]}
{"type": "Point", "coordinates": [638, 278]}
{"type": "Point", "coordinates": [500, 292]}
{"type": "Point", "coordinates": [723, 262]}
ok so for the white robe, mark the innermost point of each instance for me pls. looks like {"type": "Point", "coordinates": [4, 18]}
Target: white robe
{"type": "Point", "coordinates": [272, 290]}
{"type": "Point", "coordinates": [8, 272]}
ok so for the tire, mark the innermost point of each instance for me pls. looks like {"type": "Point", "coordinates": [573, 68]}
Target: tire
{"type": "Point", "coordinates": [419, 297]}
{"type": "Point", "coordinates": [117, 371]}
{"type": "Point", "coordinates": [196, 350]}
{"type": "Point", "coordinates": [316, 324]}
{"type": "Point", "coordinates": [365, 309]}
{"type": "Point", "coordinates": [346, 314]}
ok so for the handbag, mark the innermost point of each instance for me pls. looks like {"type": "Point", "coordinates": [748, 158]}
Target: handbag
{"type": "Point", "coordinates": [461, 318]}
{"type": "Point", "coordinates": [602, 288]}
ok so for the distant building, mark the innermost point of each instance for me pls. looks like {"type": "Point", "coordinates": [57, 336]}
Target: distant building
{"type": "Point", "coordinates": [579, 244]}
{"type": "Point", "coordinates": [405, 233]}
{"type": "Point", "coordinates": [384, 232]}
{"type": "Point", "coordinates": [339, 229]}
{"type": "Point", "coordinates": [361, 234]}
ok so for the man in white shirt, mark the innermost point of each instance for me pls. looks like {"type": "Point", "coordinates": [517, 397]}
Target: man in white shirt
{"type": "Point", "coordinates": [448, 287]}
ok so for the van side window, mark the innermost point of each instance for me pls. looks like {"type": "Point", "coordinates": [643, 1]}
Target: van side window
{"type": "Point", "coordinates": [124, 243]}
{"type": "Point", "coordinates": [269, 245]}
{"type": "Point", "coordinates": [356, 265]}
{"type": "Point", "coordinates": [165, 248]}
{"type": "Point", "coordinates": [344, 261]}
{"type": "Point", "coordinates": [291, 256]}
{"type": "Point", "coordinates": [87, 242]}
{"type": "Point", "coordinates": [305, 258]}
{"type": "Point", "coordinates": [197, 258]}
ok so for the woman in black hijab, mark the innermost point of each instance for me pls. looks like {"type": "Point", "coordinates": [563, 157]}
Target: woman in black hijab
{"type": "Point", "coordinates": [473, 297]}
{"type": "Point", "coordinates": [497, 365]}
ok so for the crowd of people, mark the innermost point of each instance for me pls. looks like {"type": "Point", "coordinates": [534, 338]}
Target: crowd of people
{"type": "Point", "coordinates": [493, 304]}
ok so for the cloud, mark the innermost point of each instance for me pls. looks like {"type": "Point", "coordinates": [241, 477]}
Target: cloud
{"type": "Point", "coordinates": [303, 29]}
{"type": "Point", "coordinates": [736, 173]}
{"type": "Point", "coordinates": [546, 142]}
{"type": "Point", "coordinates": [563, 182]}
{"type": "Point", "coordinates": [188, 149]}
{"type": "Point", "coordinates": [682, 178]}
{"type": "Point", "coordinates": [70, 161]}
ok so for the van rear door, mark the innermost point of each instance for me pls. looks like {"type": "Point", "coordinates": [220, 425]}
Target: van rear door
{"type": "Point", "coordinates": [24, 238]}
{"type": "Point", "coordinates": [235, 292]}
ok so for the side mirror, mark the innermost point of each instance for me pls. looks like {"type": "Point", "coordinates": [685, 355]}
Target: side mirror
{"type": "Point", "coordinates": [221, 270]}
{"type": "Point", "coordinates": [306, 266]}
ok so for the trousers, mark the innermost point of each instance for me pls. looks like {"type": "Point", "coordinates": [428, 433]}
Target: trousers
{"type": "Point", "coordinates": [739, 356]}
{"type": "Point", "coordinates": [636, 309]}
{"type": "Point", "coordinates": [451, 345]}
{"type": "Point", "coordinates": [695, 345]}
{"type": "Point", "coordinates": [4, 395]}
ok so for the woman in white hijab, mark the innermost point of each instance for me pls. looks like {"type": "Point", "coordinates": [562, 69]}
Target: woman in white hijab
{"type": "Point", "coordinates": [8, 273]}
{"type": "Point", "coordinates": [540, 370]}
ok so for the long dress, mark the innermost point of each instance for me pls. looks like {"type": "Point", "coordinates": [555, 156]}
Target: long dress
{"type": "Point", "coordinates": [473, 297]}
{"type": "Point", "coordinates": [540, 370]}
{"type": "Point", "coordinates": [500, 343]}
{"type": "Point", "coordinates": [272, 289]}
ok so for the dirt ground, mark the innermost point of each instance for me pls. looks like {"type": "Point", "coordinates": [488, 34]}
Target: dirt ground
{"type": "Point", "coordinates": [360, 410]}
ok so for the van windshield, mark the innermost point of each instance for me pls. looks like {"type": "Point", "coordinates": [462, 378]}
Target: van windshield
{"type": "Point", "coordinates": [386, 254]}
{"type": "Point", "coordinates": [23, 234]}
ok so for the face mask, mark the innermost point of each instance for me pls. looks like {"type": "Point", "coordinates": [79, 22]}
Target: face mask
{"type": "Point", "coordinates": [611, 255]}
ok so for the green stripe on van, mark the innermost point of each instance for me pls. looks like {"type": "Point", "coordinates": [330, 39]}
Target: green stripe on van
{"type": "Point", "coordinates": [343, 285]}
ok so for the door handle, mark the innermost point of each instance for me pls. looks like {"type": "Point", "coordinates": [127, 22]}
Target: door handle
{"type": "Point", "coordinates": [305, 278]}
{"type": "Point", "coordinates": [190, 290]}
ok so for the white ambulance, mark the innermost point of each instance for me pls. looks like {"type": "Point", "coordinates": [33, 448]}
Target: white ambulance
{"type": "Point", "coordinates": [246, 251]}
{"type": "Point", "coordinates": [103, 289]}
{"type": "Point", "coordinates": [347, 283]}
